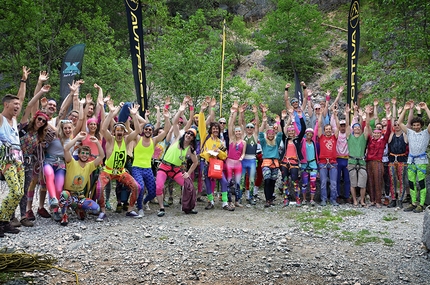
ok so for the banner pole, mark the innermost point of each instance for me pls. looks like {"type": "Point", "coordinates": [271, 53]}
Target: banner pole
{"type": "Point", "coordinates": [353, 48]}
{"type": "Point", "coordinates": [222, 69]}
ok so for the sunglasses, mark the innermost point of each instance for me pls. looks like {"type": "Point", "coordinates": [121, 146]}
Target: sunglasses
{"type": "Point", "coordinates": [190, 133]}
{"type": "Point", "coordinates": [317, 108]}
{"type": "Point", "coordinates": [85, 152]}
{"type": "Point", "coordinates": [147, 129]}
{"type": "Point", "coordinates": [249, 127]}
{"type": "Point", "coordinates": [222, 123]}
{"type": "Point", "coordinates": [41, 119]}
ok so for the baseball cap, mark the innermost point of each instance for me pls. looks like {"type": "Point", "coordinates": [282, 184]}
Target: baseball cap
{"type": "Point", "coordinates": [342, 122]}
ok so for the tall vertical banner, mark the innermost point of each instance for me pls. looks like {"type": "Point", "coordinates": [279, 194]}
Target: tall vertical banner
{"type": "Point", "coordinates": [222, 70]}
{"type": "Point", "coordinates": [72, 66]}
{"type": "Point", "coordinates": [298, 90]}
{"type": "Point", "coordinates": [353, 47]}
{"type": "Point", "coordinates": [134, 18]}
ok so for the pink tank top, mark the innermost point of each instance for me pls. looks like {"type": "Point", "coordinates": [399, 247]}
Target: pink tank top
{"type": "Point", "coordinates": [235, 150]}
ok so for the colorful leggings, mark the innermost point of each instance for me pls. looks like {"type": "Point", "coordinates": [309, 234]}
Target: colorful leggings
{"type": "Point", "coordinates": [234, 166]}
{"type": "Point", "coordinates": [290, 170]}
{"type": "Point", "coordinates": [417, 171]}
{"type": "Point", "coordinates": [166, 171]}
{"type": "Point", "coordinates": [144, 177]}
{"type": "Point", "coordinates": [54, 177]}
{"type": "Point", "coordinates": [249, 167]}
{"type": "Point", "coordinates": [75, 201]}
{"type": "Point", "coordinates": [208, 184]}
{"type": "Point", "coordinates": [397, 172]}
{"type": "Point", "coordinates": [14, 175]}
{"type": "Point", "coordinates": [305, 181]}
{"type": "Point", "coordinates": [270, 176]}
{"type": "Point", "coordinates": [124, 178]}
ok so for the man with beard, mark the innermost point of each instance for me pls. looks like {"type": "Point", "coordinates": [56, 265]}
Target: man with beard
{"type": "Point", "coordinates": [77, 176]}
{"type": "Point", "coordinates": [116, 153]}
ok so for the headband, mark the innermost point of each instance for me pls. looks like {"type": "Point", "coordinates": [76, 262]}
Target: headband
{"type": "Point", "coordinates": [41, 114]}
{"type": "Point", "coordinates": [91, 120]}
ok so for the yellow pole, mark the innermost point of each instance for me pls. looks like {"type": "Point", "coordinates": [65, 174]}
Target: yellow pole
{"type": "Point", "coordinates": [222, 70]}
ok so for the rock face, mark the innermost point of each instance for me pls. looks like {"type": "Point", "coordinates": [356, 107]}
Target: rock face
{"type": "Point", "coordinates": [329, 5]}
{"type": "Point", "coordinates": [253, 10]}
{"type": "Point", "coordinates": [426, 228]}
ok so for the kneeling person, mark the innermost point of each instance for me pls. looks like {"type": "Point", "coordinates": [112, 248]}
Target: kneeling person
{"type": "Point", "coordinates": [77, 177]}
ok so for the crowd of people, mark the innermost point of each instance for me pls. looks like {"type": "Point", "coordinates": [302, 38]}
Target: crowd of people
{"type": "Point", "coordinates": [74, 156]}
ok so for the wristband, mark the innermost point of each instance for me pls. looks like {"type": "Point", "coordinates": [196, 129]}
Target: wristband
{"type": "Point", "coordinates": [309, 98]}
{"type": "Point", "coordinates": [191, 108]}
{"type": "Point", "coordinates": [23, 81]}
{"type": "Point", "coordinates": [286, 89]}
{"type": "Point", "coordinates": [327, 98]}
{"type": "Point", "coordinates": [213, 108]}
{"type": "Point", "coordinates": [304, 87]}
{"type": "Point", "coordinates": [166, 107]}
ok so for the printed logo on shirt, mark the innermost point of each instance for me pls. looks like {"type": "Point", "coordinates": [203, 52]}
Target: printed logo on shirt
{"type": "Point", "coordinates": [119, 159]}
{"type": "Point", "coordinates": [78, 181]}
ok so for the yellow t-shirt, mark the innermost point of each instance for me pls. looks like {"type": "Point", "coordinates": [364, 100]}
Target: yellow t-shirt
{"type": "Point", "coordinates": [77, 177]}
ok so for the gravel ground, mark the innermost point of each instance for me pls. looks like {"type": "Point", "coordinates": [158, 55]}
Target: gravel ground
{"type": "Point", "coordinates": [252, 245]}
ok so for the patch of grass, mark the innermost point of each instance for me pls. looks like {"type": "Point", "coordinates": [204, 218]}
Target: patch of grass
{"type": "Point", "coordinates": [364, 236]}
{"type": "Point", "coordinates": [388, 242]}
{"type": "Point", "coordinates": [389, 217]}
{"type": "Point", "coordinates": [12, 276]}
{"type": "Point", "coordinates": [324, 220]}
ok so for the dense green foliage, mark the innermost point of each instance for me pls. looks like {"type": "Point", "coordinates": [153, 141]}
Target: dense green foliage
{"type": "Point", "coordinates": [183, 46]}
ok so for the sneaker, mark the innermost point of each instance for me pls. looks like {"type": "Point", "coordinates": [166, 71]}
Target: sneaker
{"type": "Point", "coordinates": [298, 202]}
{"type": "Point", "coordinates": [64, 220]}
{"type": "Point", "coordinates": [312, 203]}
{"type": "Point", "coordinates": [56, 216]}
{"type": "Point", "coordinates": [133, 214]}
{"type": "Point", "coordinates": [334, 203]}
{"type": "Point", "coordinates": [392, 204]}
{"type": "Point", "coordinates": [54, 203]}
{"type": "Point", "coordinates": [9, 228]}
{"type": "Point", "coordinates": [15, 223]}
{"type": "Point", "coordinates": [165, 204]}
{"type": "Point", "coordinates": [101, 217]}
{"type": "Point", "coordinates": [418, 209]}
{"type": "Point", "coordinates": [252, 202]}
{"type": "Point", "coordinates": [30, 215]}
{"type": "Point", "coordinates": [146, 207]}
{"type": "Point", "coordinates": [323, 203]}
{"type": "Point", "coordinates": [43, 213]}
{"type": "Point", "coordinates": [108, 205]}
{"type": "Point", "coordinates": [286, 202]}
{"type": "Point", "coordinates": [228, 208]}
{"type": "Point", "coordinates": [409, 208]}
{"type": "Point", "coordinates": [141, 212]}
{"type": "Point", "coordinates": [209, 206]}
{"type": "Point", "coordinates": [170, 202]}
{"type": "Point", "coordinates": [26, 222]}
{"type": "Point", "coordinates": [304, 202]}
{"type": "Point", "coordinates": [80, 213]}
{"type": "Point", "coordinates": [161, 213]}
{"type": "Point", "coordinates": [118, 208]}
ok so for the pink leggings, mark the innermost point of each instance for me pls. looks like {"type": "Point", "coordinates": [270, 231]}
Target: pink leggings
{"type": "Point", "coordinates": [165, 171]}
{"type": "Point", "coordinates": [54, 177]}
{"type": "Point", "coordinates": [233, 166]}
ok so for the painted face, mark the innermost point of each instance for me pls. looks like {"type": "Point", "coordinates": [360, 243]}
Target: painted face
{"type": "Point", "coordinates": [416, 127]}
{"type": "Point", "coordinates": [67, 129]}
{"type": "Point", "coordinates": [328, 130]}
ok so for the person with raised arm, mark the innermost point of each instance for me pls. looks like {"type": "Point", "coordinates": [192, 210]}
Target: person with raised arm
{"type": "Point", "coordinates": [417, 159]}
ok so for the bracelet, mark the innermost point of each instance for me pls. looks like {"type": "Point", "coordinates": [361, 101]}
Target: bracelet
{"type": "Point", "coordinates": [25, 81]}
{"type": "Point", "coordinates": [166, 107]}
{"type": "Point", "coordinates": [304, 87]}
{"type": "Point", "coordinates": [213, 108]}
{"type": "Point", "coordinates": [309, 98]}
{"type": "Point", "coordinates": [191, 108]}
{"type": "Point", "coordinates": [286, 89]}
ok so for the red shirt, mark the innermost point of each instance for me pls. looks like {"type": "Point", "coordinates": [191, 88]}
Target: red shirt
{"type": "Point", "coordinates": [375, 148]}
{"type": "Point", "coordinates": [328, 149]}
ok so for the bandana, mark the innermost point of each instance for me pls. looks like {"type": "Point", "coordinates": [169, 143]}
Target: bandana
{"type": "Point", "coordinates": [92, 120]}
{"type": "Point", "coordinates": [41, 114]}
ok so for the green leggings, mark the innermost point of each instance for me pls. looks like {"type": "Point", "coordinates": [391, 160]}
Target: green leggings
{"type": "Point", "coordinates": [14, 175]}
{"type": "Point", "coordinates": [417, 171]}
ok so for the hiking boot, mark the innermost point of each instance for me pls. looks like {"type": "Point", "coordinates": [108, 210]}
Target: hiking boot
{"type": "Point", "coordinates": [43, 213]}
{"type": "Point", "coordinates": [101, 217]}
{"type": "Point", "coordinates": [56, 216]}
{"type": "Point", "coordinates": [161, 213]}
{"type": "Point", "coordinates": [9, 228]}
{"type": "Point", "coordinates": [64, 220]}
{"type": "Point", "coordinates": [30, 215]}
{"type": "Point", "coordinates": [409, 208]}
{"type": "Point", "coordinates": [133, 214]}
{"type": "Point", "coordinates": [26, 222]}
{"type": "Point", "coordinates": [286, 202]}
{"type": "Point", "coordinates": [298, 202]}
{"type": "Point", "coordinates": [399, 204]}
{"type": "Point", "coordinates": [53, 203]}
{"type": "Point", "coordinates": [418, 209]}
{"type": "Point", "coordinates": [392, 204]}
{"type": "Point", "coordinates": [228, 208]}
{"type": "Point", "coordinates": [170, 201]}
{"type": "Point", "coordinates": [15, 223]}
{"type": "Point", "coordinates": [80, 213]}
{"type": "Point", "coordinates": [118, 208]}
{"type": "Point", "coordinates": [209, 206]}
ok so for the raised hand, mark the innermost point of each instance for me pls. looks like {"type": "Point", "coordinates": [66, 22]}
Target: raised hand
{"type": "Point", "coordinates": [235, 105]}
{"type": "Point", "coordinates": [43, 76]}
{"type": "Point", "coordinates": [46, 88]}
{"type": "Point", "coordinates": [408, 105]}
{"type": "Point", "coordinates": [94, 139]}
{"type": "Point", "coordinates": [204, 105]}
{"type": "Point", "coordinates": [263, 107]}
{"type": "Point", "coordinates": [110, 105]}
{"type": "Point", "coordinates": [254, 109]}
{"type": "Point", "coordinates": [81, 135]}
{"type": "Point", "coordinates": [393, 101]}
{"type": "Point", "coordinates": [387, 105]}
{"type": "Point", "coordinates": [368, 109]}
{"type": "Point", "coordinates": [107, 98]}
{"type": "Point", "coordinates": [213, 102]}
{"type": "Point", "coordinates": [340, 89]}
{"type": "Point", "coordinates": [25, 73]}
{"type": "Point", "coordinates": [423, 105]}
{"type": "Point", "coordinates": [182, 107]}
{"type": "Point", "coordinates": [167, 101]}
{"type": "Point", "coordinates": [43, 102]}
{"type": "Point", "coordinates": [166, 113]}
{"type": "Point", "coordinates": [347, 110]}
{"type": "Point", "coordinates": [88, 98]}
{"type": "Point", "coordinates": [303, 84]}
{"type": "Point", "coordinates": [277, 118]}
{"type": "Point", "coordinates": [284, 114]}
{"type": "Point", "coordinates": [288, 85]}
{"type": "Point", "coordinates": [134, 109]}
{"type": "Point", "coordinates": [96, 86]}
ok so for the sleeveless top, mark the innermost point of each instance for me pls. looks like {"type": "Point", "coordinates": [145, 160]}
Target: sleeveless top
{"type": "Point", "coordinates": [397, 146]}
{"type": "Point", "coordinates": [251, 147]}
{"type": "Point", "coordinates": [115, 163]}
{"type": "Point", "coordinates": [143, 154]}
{"type": "Point", "coordinates": [9, 134]}
{"type": "Point", "coordinates": [174, 155]}
{"type": "Point", "coordinates": [342, 146]}
{"type": "Point", "coordinates": [235, 150]}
